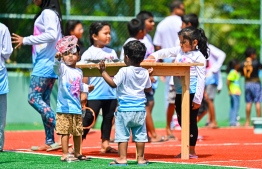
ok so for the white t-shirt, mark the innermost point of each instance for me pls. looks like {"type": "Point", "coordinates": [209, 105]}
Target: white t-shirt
{"type": "Point", "coordinates": [166, 32]}
{"type": "Point", "coordinates": [69, 87]}
{"type": "Point", "coordinates": [122, 51]}
{"type": "Point", "coordinates": [197, 73]}
{"type": "Point", "coordinates": [102, 90]}
{"type": "Point", "coordinates": [131, 82]}
{"type": "Point", "coordinates": [147, 40]}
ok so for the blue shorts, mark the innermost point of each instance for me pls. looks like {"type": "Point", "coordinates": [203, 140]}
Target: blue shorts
{"type": "Point", "coordinates": [253, 92]}
{"type": "Point", "coordinates": [134, 121]}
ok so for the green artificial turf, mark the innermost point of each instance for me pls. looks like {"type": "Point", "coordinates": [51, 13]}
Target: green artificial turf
{"type": "Point", "coordinates": [14, 160]}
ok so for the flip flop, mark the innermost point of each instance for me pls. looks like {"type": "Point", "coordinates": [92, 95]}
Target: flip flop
{"type": "Point", "coordinates": [69, 159]}
{"type": "Point", "coordinates": [109, 150]}
{"type": "Point", "coordinates": [171, 137]}
{"type": "Point", "coordinates": [115, 163]}
{"type": "Point", "coordinates": [142, 164]}
{"type": "Point", "coordinates": [83, 158]}
{"type": "Point", "coordinates": [40, 148]}
{"type": "Point", "coordinates": [56, 146]}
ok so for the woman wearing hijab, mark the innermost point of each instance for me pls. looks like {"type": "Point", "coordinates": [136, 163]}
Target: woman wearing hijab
{"type": "Point", "coordinates": [47, 31]}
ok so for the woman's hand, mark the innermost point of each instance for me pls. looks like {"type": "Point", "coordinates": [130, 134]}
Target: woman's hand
{"type": "Point", "coordinates": [17, 39]}
{"type": "Point", "coordinates": [195, 106]}
{"type": "Point", "coordinates": [101, 66]}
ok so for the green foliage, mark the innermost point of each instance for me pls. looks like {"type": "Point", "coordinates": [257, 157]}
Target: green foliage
{"type": "Point", "coordinates": [231, 38]}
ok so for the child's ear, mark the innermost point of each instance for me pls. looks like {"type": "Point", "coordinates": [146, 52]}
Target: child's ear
{"type": "Point", "coordinates": [94, 36]}
{"type": "Point", "coordinates": [195, 43]}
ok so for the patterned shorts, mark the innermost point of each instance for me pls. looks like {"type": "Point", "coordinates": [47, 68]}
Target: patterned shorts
{"type": "Point", "coordinates": [69, 124]}
{"type": "Point", "coordinates": [172, 94]}
{"type": "Point", "coordinates": [253, 92]}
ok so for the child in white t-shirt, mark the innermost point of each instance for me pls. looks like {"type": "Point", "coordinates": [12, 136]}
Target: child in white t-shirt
{"type": "Point", "coordinates": [69, 111]}
{"type": "Point", "coordinates": [131, 83]}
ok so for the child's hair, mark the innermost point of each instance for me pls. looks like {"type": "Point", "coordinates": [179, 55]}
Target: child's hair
{"type": "Point", "coordinates": [175, 4]}
{"type": "Point", "coordinates": [249, 51]}
{"type": "Point", "coordinates": [231, 65]}
{"type": "Point", "coordinates": [95, 27]}
{"type": "Point", "coordinates": [70, 26]}
{"type": "Point", "coordinates": [135, 50]}
{"type": "Point", "coordinates": [144, 15]}
{"type": "Point", "coordinates": [190, 18]}
{"type": "Point", "coordinates": [191, 33]}
{"type": "Point", "coordinates": [134, 26]}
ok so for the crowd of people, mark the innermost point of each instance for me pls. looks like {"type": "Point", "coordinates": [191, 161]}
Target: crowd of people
{"type": "Point", "coordinates": [127, 99]}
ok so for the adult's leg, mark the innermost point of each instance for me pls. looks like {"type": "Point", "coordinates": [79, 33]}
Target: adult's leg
{"type": "Point", "coordinates": [39, 98]}
{"type": "Point", "coordinates": [95, 105]}
{"type": "Point", "coordinates": [108, 109]}
{"type": "Point", "coordinates": [258, 109]}
{"type": "Point", "coordinates": [3, 110]}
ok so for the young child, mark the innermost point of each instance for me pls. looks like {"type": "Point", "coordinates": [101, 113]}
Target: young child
{"type": "Point", "coordinates": [69, 112]}
{"type": "Point", "coordinates": [136, 30]}
{"type": "Point", "coordinates": [234, 90]}
{"type": "Point", "coordinates": [250, 69]}
{"type": "Point", "coordinates": [103, 97]}
{"type": "Point", "coordinates": [148, 19]}
{"type": "Point", "coordinates": [6, 50]}
{"type": "Point", "coordinates": [193, 48]}
{"type": "Point", "coordinates": [130, 81]}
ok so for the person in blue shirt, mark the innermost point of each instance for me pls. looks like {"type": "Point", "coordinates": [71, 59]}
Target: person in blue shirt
{"type": "Point", "coordinates": [5, 51]}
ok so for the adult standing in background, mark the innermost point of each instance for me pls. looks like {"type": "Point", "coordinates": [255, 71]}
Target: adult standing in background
{"type": "Point", "coordinates": [5, 50]}
{"type": "Point", "coordinates": [166, 36]}
{"type": "Point", "coordinates": [47, 31]}
{"type": "Point", "coordinates": [75, 27]}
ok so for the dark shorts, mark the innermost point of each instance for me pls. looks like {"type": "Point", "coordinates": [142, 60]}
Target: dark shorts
{"type": "Point", "coordinates": [203, 108]}
{"type": "Point", "coordinates": [149, 96]}
{"type": "Point", "coordinates": [253, 92]}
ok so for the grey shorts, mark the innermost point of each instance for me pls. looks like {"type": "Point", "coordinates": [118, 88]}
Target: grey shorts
{"type": "Point", "coordinates": [172, 95]}
{"type": "Point", "coordinates": [211, 91]}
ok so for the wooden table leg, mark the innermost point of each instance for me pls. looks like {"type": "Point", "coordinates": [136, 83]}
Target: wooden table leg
{"type": "Point", "coordinates": [185, 115]}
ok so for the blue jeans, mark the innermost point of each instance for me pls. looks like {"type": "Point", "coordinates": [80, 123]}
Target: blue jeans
{"type": "Point", "coordinates": [234, 107]}
{"type": "Point", "coordinates": [3, 110]}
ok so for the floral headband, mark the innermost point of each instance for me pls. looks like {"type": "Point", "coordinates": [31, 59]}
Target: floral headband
{"type": "Point", "coordinates": [67, 43]}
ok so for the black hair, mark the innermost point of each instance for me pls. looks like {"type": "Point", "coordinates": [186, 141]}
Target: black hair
{"type": "Point", "coordinates": [249, 51]}
{"type": "Point", "coordinates": [134, 26]}
{"type": "Point", "coordinates": [175, 4]}
{"type": "Point", "coordinates": [191, 33]}
{"type": "Point", "coordinates": [70, 26]}
{"type": "Point", "coordinates": [144, 15]}
{"type": "Point", "coordinates": [95, 27]}
{"type": "Point", "coordinates": [135, 50]}
{"type": "Point", "coordinates": [190, 18]}
{"type": "Point", "coordinates": [231, 65]}
{"type": "Point", "coordinates": [53, 5]}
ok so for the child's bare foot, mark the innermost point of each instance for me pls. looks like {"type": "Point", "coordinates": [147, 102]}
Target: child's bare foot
{"type": "Point", "coordinates": [247, 123]}
{"type": "Point", "coordinates": [158, 139]}
{"type": "Point", "coordinates": [142, 162]}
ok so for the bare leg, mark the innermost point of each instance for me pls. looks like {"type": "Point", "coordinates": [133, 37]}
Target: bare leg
{"type": "Point", "coordinates": [122, 149]}
{"type": "Point", "coordinates": [201, 116]}
{"type": "Point", "coordinates": [248, 110]}
{"type": "Point", "coordinates": [64, 141]}
{"type": "Point", "coordinates": [192, 150]}
{"type": "Point", "coordinates": [211, 108]}
{"type": "Point", "coordinates": [149, 120]}
{"type": "Point", "coordinates": [169, 115]}
{"type": "Point", "coordinates": [77, 145]}
{"type": "Point", "coordinates": [140, 152]}
{"type": "Point", "coordinates": [258, 109]}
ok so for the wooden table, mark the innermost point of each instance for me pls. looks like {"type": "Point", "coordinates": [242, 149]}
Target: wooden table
{"type": "Point", "coordinates": [160, 69]}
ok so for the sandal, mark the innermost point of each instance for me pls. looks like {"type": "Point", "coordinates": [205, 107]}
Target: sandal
{"type": "Point", "coordinates": [144, 163]}
{"type": "Point", "coordinates": [69, 159]}
{"type": "Point", "coordinates": [109, 150]}
{"type": "Point", "coordinates": [115, 163]}
{"type": "Point", "coordinates": [83, 158]}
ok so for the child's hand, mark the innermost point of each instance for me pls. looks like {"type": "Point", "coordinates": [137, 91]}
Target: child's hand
{"type": "Point", "coordinates": [101, 66]}
{"type": "Point", "coordinates": [58, 55]}
{"type": "Point", "coordinates": [83, 98]}
{"type": "Point", "coordinates": [153, 80]}
{"type": "Point", "coordinates": [91, 88]}
{"type": "Point", "coordinates": [150, 59]}
{"type": "Point", "coordinates": [195, 106]}
{"type": "Point", "coordinates": [150, 71]}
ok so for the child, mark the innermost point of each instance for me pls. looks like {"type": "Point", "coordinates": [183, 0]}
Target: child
{"type": "Point", "coordinates": [250, 69]}
{"type": "Point", "coordinates": [69, 112]}
{"type": "Point", "coordinates": [103, 97]}
{"type": "Point", "coordinates": [193, 48]}
{"type": "Point", "coordinates": [234, 90]}
{"type": "Point", "coordinates": [136, 30]}
{"type": "Point", "coordinates": [130, 82]}
{"type": "Point", "coordinates": [6, 50]}
{"type": "Point", "coordinates": [148, 19]}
